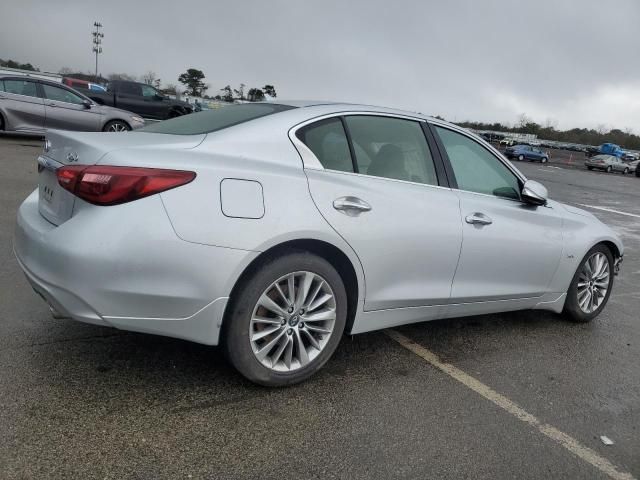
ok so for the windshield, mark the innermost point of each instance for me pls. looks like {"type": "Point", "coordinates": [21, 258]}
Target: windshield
{"type": "Point", "coordinates": [214, 120]}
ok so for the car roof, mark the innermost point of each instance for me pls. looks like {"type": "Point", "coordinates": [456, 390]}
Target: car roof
{"type": "Point", "coordinates": [319, 107]}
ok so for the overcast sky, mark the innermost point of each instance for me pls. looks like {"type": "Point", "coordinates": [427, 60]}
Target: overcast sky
{"type": "Point", "coordinates": [573, 63]}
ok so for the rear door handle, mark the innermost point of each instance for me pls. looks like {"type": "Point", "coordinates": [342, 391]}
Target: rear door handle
{"type": "Point", "coordinates": [351, 205]}
{"type": "Point", "coordinates": [478, 218]}
{"type": "Point", "coordinates": [51, 105]}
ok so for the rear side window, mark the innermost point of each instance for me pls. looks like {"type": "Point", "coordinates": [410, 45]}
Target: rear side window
{"type": "Point", "coordinates": [129, 88]}
{"type": "Point", "coordinates": [21, 87]}
{"type": "Point", "coordinates": [214, 120]}
{"type": "Point", "coordinates": [328, 142]}
{"type": "Point", "coordinates": [391, 148]}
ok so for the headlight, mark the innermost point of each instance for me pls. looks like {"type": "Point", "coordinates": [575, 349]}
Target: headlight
{"type": "Point", "coordinates": [137, 119]}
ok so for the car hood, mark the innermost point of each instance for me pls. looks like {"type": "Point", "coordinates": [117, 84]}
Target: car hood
{"type": "Point", "coordinates": [577, 211]}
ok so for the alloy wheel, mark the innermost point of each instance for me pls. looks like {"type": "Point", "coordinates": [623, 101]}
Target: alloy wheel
{"type": "Point", "coordinates": [292, 321]}
{"type": "Point", "coordinates": [593, 283]}
{"type": "Point", "coordinates": [117, 127]}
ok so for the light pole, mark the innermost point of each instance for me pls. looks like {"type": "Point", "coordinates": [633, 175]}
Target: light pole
{"type": "Point", "coordinates": [97, 43]}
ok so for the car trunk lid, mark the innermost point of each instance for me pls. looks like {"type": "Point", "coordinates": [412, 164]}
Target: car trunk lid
{"type": "Point", "coordinates": [64, 148]}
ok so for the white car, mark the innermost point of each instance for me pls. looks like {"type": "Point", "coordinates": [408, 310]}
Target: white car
{"type": "Point", "coordinates": [273, 228]}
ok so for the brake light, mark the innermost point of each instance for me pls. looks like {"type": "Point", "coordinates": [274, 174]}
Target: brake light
{"type": "Point", "coordinates": [110, 185]}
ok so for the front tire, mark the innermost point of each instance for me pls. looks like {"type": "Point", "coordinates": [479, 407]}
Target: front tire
{"type": "Point", "coordinates": [544, 160]}
{"type": "Point", "coordinates": [116, 126]}
{"type": "Point", "coordinates": [286, 320]}
{"type": "Point", "coordinates": [521, 157]}
{"type": "Point", "coordinates": [608, 169]}
{"type": "Point", "coordinates": [625, 171]}
{"type": "Point", "coordinates": [591, 285]}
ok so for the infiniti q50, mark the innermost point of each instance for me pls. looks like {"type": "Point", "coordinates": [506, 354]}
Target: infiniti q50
{"type": "Point", "coordinates": [274, 228]}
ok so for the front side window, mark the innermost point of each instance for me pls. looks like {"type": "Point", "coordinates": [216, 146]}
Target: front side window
{"type": "Point", "coordinates": [148, 91]}
{"type": "Point", "coordinates": [391, 148]}
{"type": "Point", "coordinates": [21, 87]}
{"type": "Point", "coordinates": [476, 169]}
{"type": "Point", "coordinates": [328, 142]}
{"type": "Point", "coordinates": [61, 95]}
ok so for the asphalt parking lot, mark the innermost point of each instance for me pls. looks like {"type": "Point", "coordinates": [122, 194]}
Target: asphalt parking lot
{"type": "Point", "coordinates": [79, 401]}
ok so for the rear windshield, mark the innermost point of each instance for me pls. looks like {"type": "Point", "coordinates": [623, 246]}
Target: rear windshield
{"type": "Point", "coordinates": [215, 119]}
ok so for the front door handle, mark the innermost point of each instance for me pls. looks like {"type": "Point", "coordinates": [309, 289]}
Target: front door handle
{"type": "Point", "coordinates": [478, 218]}
{"type": "Point", "coordinates": [351, 205]}
{"type": "Point", "coordinates": [51, 105]}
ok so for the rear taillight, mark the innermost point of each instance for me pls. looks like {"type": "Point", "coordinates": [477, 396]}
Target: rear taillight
{"type": "Point", "coordinates": [109, 185]}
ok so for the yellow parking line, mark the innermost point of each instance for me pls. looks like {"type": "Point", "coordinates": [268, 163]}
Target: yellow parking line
{"type": "Point", "coordinates": [566, 441]}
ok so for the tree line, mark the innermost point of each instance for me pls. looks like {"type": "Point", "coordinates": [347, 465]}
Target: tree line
{"type": "Point", "coordinates": [584, 136]}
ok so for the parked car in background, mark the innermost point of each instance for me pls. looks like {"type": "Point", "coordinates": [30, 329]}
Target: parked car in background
{"type": "Point", "coordinates": [507, 142]}
{"type": "Point", "coordinates": [83, 84]}
{"type": "Point", "coordinates": [526, 152]}
{"type": "Point", "coordinates": [140, 98]}
{"type": "Point", "coordinates": [607, 163]}
{"type": "Point", "coordinates": [629, 157]}
{"type": "Point", "coordinates": [33, 105]}
{"type": "Point", "coordinates": [611, 149]}
{"type": "Point", "coordinates": [179, 229]}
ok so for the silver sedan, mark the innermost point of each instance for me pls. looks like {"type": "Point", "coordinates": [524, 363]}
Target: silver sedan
{"type": "Point", "coordinates": [33, 106]}
{"type": "Point", "coordinates": [272, 229]}
{"type": "Point", "coordinates": [609, 163]}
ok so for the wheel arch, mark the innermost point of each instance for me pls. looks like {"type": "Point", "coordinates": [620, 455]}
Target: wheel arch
{"type": "Point", "coordinates": [331, 253]}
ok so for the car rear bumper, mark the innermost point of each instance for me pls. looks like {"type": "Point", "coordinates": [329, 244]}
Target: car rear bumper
{"type": "Point", "coordinates": [125, 267]}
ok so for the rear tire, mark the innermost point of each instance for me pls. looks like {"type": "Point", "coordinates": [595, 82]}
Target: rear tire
{"type": "Point", "coordinates": [581, 281]}
{"type": "Point", "coordinates": [116, 126]}
{"type": "Point", "coordinates": [589, 168]}
{"type": "Point", "coordinates": [625, 171]}
{"type": "Point", "coordinates": [609, 169]}
{"type": "Point", "coordinates": [286, 360]}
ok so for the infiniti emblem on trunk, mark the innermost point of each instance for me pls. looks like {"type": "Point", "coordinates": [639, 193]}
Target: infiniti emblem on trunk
{"type": "Point", "coordinates": [72, 157]}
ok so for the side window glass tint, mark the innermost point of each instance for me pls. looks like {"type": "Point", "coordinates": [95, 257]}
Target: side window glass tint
{"type": "Point", "coordinates": [148, 91]}
{"type": "Point", "coordinates": [391, 148]}
{"type": "Point", "coordinates": [328, 141]}
{"type": "Point", "coordinates": [61, 94]}
{"type": "Point", "coordinates": [21, 87]}
{"type": "Point", "coordinates": [476, 169]}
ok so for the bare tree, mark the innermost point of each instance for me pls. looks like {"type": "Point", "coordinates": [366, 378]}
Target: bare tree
{"type": "Point", "coordinates": [523, 120]}
{"type": "Point", "coordinates": [149, 78]}
{"type": "Point", "coordinates": [65, 71]}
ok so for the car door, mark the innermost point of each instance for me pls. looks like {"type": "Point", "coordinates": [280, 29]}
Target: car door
{"type": "Point", "coordinates": [153, 100]}
{"type": "Point", "coordinates": [510, 250]}
{"type": "Point", "coordinates": [65, 110]}
{"type": "Point", "coordinates": [375, 183]}
{"type": "Point", "coordinates": [129, 97]}
{"type": "Point", "coordinates": [21, 105]}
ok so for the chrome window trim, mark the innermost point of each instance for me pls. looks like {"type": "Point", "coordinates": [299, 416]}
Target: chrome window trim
{"type": "Point", "coordinates": [364, 175]}
{"type": "Point", "coordinates": [310, 161]}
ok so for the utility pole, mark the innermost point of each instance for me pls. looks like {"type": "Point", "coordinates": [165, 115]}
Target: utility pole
{"type": "Point", "coordinates": [97, 43]}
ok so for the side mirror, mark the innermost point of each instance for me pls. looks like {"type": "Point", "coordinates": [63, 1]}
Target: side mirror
{"type": "Point", "coordinates": [87, 104]}
{"type": "Point", "coordinates": [160, 96]}
{"type": "Point", "coordinates": [534, 193]}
